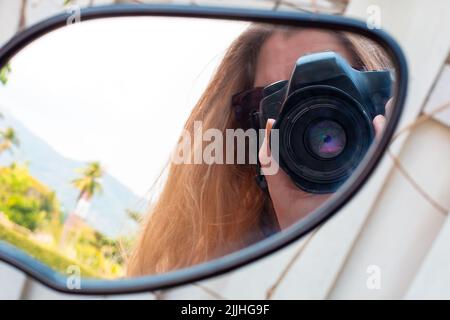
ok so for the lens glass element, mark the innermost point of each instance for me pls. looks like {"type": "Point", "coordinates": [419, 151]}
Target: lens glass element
{"type": "Point", "coordinates": [326, 138]}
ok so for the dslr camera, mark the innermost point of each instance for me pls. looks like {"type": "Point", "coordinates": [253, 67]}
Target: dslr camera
{"type": "Point", "coordinates": [324, 115]}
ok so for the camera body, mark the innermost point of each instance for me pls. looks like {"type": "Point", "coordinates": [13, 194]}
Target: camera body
{"type": "Point", "coordinates": [324, 116]}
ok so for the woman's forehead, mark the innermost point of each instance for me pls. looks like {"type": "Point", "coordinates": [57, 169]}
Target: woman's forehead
{"type": "Point", "coordinates": [281, 50]}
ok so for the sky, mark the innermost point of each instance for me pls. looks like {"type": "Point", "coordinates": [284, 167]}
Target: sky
{"type": "Point", "coordinates": [117, 90]}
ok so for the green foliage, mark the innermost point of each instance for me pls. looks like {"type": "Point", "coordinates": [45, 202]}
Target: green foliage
{"type": "Point", "coordinates": [24, 200]}
{"type": "Point", "coordinates": [45, 255]}
{"type": "Point", "coordinates": [32, 208]}
{"type": "Point", "coordinates": [97, 251]}
{"type": "Point", "coordinates": [4, 74]}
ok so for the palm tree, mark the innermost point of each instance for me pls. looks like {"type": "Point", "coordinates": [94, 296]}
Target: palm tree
{"type": "Point", "coordinates": [134, 215]}
{"type": "Point", "coordinates": [8, 139]}
{"type": "Point", "coordinates": [88, 184]}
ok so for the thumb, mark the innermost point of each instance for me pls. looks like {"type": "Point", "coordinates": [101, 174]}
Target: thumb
{"type": "Point", "coordinates": [265, 157]}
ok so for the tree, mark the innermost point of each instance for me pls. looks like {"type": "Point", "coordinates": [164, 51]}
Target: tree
{"type": "Point", "coordinates": [24, 199]}
{"type": "Point", "coordinates": [89, 182]}
{"type": "Point", "coordinates": [134, 215]}
{"type": "Point", "coordinates": [8, 139]}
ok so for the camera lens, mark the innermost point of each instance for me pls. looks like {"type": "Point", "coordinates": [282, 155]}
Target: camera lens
{"type": "Point", "coordinates": [324, 135]}
{"type": "Point", "coordinates": [326, 139]}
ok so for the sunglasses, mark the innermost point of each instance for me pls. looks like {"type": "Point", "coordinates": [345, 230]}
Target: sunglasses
{"type": "Point", "coordinates": [245, 105]}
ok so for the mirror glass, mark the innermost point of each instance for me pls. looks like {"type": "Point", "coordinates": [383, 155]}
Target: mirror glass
{"type": "Point", "coordinates": [139, 146]}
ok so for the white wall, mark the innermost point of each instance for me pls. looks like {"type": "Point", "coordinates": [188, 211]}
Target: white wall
{"type": "Point", "coordinates": [389, 224]}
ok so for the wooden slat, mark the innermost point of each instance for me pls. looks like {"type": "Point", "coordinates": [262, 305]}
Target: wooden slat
{"type": "Point", "coordinates": [250, 282]}
{"type": "Point", "coordinates": [9, 19]}
{"type": "Point", "coordinates": [11, 282]}
{"type": "Point", "coordinates": [433, 280]}
{"type": "Point", "coordinates": [36, 291]}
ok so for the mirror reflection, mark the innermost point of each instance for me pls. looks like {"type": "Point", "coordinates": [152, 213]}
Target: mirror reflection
{"type": "Point", "coordinates": [137, 146]}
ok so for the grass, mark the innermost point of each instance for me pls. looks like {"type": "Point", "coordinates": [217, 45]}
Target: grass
{"type": "Point", "coordinates": [44, 254]}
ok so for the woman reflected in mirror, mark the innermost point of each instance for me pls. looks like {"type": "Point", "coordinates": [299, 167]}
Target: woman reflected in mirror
{"type": "Point", "coordinates": [205, 211]}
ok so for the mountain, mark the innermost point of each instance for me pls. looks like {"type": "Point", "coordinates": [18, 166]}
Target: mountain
{"type": "Point", "coordinates": [108, 209]}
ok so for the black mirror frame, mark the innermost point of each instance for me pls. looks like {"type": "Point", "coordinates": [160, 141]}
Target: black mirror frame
{"type": "Point", "coordinates": [58, 282]}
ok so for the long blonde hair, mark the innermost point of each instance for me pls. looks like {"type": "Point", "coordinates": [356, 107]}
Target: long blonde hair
{"type": "Point", "coordinates": [207, 210]}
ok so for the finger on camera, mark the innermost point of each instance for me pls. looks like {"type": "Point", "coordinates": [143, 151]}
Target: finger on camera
{"type": "Point", "coordinates": [265, 156]}
{"type": "Point", "coordinates": [379, 123]}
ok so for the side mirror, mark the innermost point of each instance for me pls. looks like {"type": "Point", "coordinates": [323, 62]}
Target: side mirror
{"type": "Point", "coordinates": [149, 146]}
